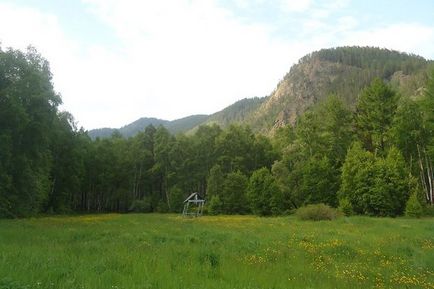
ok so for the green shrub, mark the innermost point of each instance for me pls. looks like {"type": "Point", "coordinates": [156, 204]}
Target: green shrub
{"type": "Point", "coordinates": [345, 207]}
{"type": "Point", "coordinates": [215, 205]}
{"type": "Point", "coordinates": [428, 211]}
{"type": "Point", "coordinates": [413, 207]}
{"type": "Point", "coordinates": [162, 207]}
{"type": "Point", "coordinates": [141, 206]}
{"type": "Point", "coordinates": [317, 212]}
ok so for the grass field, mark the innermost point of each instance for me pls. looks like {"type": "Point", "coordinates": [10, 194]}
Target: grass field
{"type": "Point", "coordinates": [168, 251]}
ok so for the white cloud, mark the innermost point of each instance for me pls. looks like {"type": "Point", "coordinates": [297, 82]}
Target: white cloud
{"type": "Point", "coordinates": [295, 5]}
{"type": "Point", "coordinates": [195, 57]}
{"type": "Point", "coordinates": [406, 37]}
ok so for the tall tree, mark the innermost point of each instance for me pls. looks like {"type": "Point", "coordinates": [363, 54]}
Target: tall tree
{"type": "Point", "coordinates": [28, 107]}
{"type": "Point", "coordinates": [263, 193]}
{"type": "Point", "coordinates": [374, 115]}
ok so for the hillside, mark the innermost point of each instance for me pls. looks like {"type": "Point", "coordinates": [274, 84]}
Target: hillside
{"type": "Point", "coordinates": [239, 112]}
{"type": "Point", "coordinates": [129, 130]}
{"type": "Point", "coordinates": [343, 71]}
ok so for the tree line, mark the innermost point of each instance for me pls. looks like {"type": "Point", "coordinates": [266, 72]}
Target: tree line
{"type": "Point", "coordinates": [368, 160]}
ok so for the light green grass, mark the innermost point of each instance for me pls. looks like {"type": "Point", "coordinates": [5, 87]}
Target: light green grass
{"type": "Point", "coordinates": [168, 251]}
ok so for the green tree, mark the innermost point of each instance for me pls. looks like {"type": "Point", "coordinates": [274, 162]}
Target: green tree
{"type": "Point", "coordinates": [28, 108]}
{"type": "Point", "coordinates": [263, 193]}
{"type": "Point", "coordinates": [413, 208]}
{"type": "Point", "coordinates": [408, 132]}
{"type": "Point", "coordinates": [215, 182]}
{"type": "Point", "coordinates": [375, 185]}
{"type": "Point", "coordinates": [374, 115]}
{"type": "Point", "coordinates": [235, 149]}
{"type": "Point", "coordinates": [234, 193]}
{"type": "Point", "coordinates": [314, 181]}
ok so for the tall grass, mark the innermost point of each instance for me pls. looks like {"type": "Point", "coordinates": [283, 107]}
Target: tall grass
{"type": "Point", "coordinates": [168, 251]}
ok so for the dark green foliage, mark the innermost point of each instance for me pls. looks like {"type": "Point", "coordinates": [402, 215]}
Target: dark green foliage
{"type": "Point", "coordinates": [215, 205]}
{"type": "Point", "coordinates": [263, 194]}
{"type": "Point", "coordinates": [28, 112]}
{"type": "Point", "coordinates": [413, 208]}
{"type": "Point", "coordinates": [317, 212]}
{"type": "Point", "coordinates": [428, 111]}
{"type": "Point", "coordinates": [177, 197]}
{"type": "Point", "coordinates": [215, 182]}
{"type": "Point", "coordinates": [141, 206]}
{"type": "Point", "coordinates": [375, 111]}
{"type": "Point", "coordinates": [281, 177]}
{"type": "Point", "coordinates": [408, 130]}
{"type": "Point", "coordinates": [233, 195]}
{"type": "Point", "coordinates": [314, 181]}
{"type": "Point", "coordinates": [383, 60]}
{"type": "Point", "coordinates": [48, 165]}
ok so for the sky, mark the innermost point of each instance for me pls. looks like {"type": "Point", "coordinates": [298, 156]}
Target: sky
{"type": "Point", "coordinates": [114, 61]}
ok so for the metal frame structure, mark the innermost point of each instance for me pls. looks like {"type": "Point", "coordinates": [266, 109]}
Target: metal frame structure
{"type": "Point", "coordinates": [198, 201]}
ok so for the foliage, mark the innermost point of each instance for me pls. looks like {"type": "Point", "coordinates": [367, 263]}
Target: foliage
{"type": "Point", "coordinates": [263, 193]}
{"type": "Point", "coordinates": [233, 194]}
{"type": "Point", "coordinates": [317, 212]}
{"type": "Point", "coordinates": [375, 111]}
{"type": "Point", "coordinates": [215, 182]}
{"type": "Point", "coordinates": [141, 206]}
{"type": "Point", "coordinates": [375, 185]}
{"type": "Point", "coordinates": [314, 181]}
{"type": "Point", "coordinates": [215, 205]}
{"type": "Point", "coordinates": [413, 208]}
{"type": "Point", "coordinates": [48, 165]}
{"type": "Point", "coordinates": [345, 207]}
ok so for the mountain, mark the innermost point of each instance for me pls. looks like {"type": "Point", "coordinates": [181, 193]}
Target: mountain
{"type": "Point", "coordinates": [129, 130]}
{"type": "Point", "coordinates": [343, 71]}
{"type": "Point", "coordinates": [239, 112]}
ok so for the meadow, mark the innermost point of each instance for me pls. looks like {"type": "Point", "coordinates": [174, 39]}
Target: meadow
{"type": "Point", "coordinates": [168, 251]}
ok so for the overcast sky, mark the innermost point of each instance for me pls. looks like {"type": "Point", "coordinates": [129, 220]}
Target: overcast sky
{"type": "Point", "coordinates": [115, 61]}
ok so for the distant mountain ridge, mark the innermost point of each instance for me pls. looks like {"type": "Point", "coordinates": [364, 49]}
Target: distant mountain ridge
{"type": "Point", "coordinates": [129, 130]}
{"type": "Point", "coordinates": [343, 71]}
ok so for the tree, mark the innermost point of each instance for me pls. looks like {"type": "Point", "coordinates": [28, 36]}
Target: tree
{"type": "Point", "coordinates": [375, 185]}
{"type": "Point", "coordinates": [28, 108]}
{"type": "Point", "coordinates": [374, 115]}
{"type": "Point", "coordinates": [408, 132]}
{"type": "Point", "coordinates": [215, 182]}
{"type": "Point", "coordinates": [314, 181]}
{"type": "Point", "coordinates": [162, 146]}
{"type": "Point", "coordinates": [234, 193]}
{"type": "Point", "coordinates": [413, 208]}
{"type": "Point", "coordinates": [235, 150]}
{"type": "Point", "coordinates": [263, 193]}
{"type": "Point", "coordinates": [426, 155]}
{"type": "Point", "coordinates": [281, 176]}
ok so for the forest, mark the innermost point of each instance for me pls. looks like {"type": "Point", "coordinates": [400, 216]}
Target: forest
{"type": "Point", "coordinates": [373, 158]}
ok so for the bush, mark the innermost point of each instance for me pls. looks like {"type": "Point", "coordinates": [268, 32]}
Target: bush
{"type": "Point", "coordinates": [162, 207]}
{"type": "Point", "coordinates": [345, 207]}
{"type": "Point", "coordinates": [428, 211]}
{"type": "Point", "coordinates": [141, 206]}
{"type": "Point", "coordinates": [215, 205]}
{"type": "Point", "coordinates": [413, 207]}
{"type": "Point", "coordinates": [317, 212]}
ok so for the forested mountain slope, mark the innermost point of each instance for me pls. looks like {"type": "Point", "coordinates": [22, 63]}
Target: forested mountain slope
{"type": "Point", "coordinates": [343, 71]}
{"type": "Point", "coordinates": [129, 130]}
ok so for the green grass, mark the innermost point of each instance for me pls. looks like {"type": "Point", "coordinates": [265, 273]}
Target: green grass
{"type": "Point", "coordinates": [168, 251]}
